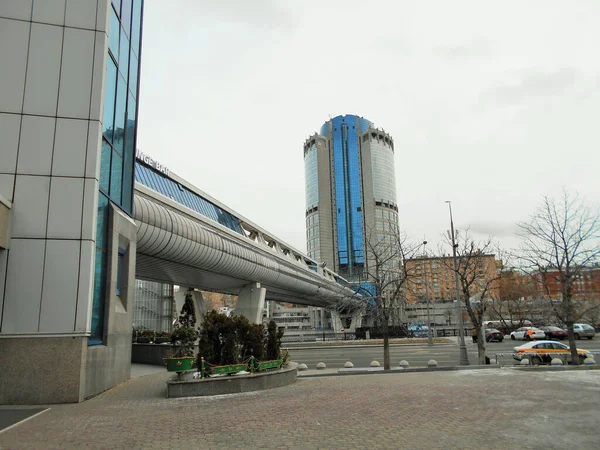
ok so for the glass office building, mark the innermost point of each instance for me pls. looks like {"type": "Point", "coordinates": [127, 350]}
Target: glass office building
{"type": "Point", "coordinates": [350, 193]}
{"type": "Point", "coordinates": [68, 115]}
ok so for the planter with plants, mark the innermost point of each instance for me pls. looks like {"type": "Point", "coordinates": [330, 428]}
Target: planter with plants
{"type": "Point", "coordinates": [183, 338]}
{"type": "Point", "coordinates": [162, 337]}
{"type": "Point", "coordinates": [145, 337]}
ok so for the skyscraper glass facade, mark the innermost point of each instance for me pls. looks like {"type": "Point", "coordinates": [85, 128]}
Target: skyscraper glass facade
{"type": "Point", "coordinates": [118, 138]}
{"type": "Point", "coordinates": [348, 196]}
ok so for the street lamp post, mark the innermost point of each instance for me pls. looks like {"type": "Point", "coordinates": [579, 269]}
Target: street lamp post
{"type": "Point", "coordinates": [464, 358]}
{"type": "Point", "coordinates": [429, 336]}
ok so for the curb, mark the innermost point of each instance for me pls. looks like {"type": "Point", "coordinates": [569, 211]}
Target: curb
{"type": "Point", "coordinates": [312, 347]}
{"type": "Point", "coordinates": [398, 370]}
{"type": "Point", "coordinates": [394, 370]}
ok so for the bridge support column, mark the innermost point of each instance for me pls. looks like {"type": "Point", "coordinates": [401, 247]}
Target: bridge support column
{"type": "Point", "coordinates": [251, 301]}
{"type": "Point", "coordinates": [346, 322]}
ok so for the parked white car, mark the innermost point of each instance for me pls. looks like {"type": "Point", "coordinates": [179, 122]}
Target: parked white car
{"type": "Point", "coordinates": [522, 335]}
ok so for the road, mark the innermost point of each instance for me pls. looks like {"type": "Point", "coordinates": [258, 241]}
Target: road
{"type": "Point", "coordinates": [416, 355]}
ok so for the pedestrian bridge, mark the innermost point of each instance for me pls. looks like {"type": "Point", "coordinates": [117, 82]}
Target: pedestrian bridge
{"type": "Point", "coordinates": [185, 237]}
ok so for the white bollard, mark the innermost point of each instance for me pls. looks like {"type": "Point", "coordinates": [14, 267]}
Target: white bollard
{"type": "Point", "coordinates": [404, 364]}
{"type": "Point", "coordinates": [589, 361]}
{"type": "Point", "coordinates": [524, 362]}
{"type": "Point", "coordinates": [556, 362]}
{"type": "Point", "coordinates": [432, 363]}
{"type": "Point", "coordinates": [375, 364]}
{"type": "Point", "coordinates": [348, 365]}
{"type": "Point", "coordinates": [321, 366]}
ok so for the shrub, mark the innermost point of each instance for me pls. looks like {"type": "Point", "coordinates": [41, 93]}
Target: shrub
{"type": "Point", "coordinates": [232, 340]}
{"type": "Point", "coordinates": [273, 340]}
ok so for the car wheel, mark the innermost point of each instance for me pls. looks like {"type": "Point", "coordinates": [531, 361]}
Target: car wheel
{"type": "Point", "coordinates": [576, 336]}
{"type": "Point", "coordinates": [590, 337]}
{"type": "Point", "coordinates": [536, 361]}
{"type": "Point", "coordinates": [512, 336]}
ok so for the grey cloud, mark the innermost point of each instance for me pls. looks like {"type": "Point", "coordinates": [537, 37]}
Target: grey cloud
{"type": "Point", "coordinates": [495, 229]}
{"type": "Point", "coordinates": [536, 85]}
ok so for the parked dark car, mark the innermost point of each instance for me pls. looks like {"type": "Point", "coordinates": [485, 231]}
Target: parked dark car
{"type": "Point", "coordinates": [491, 335]}
{"type": "Point", "coordinates": [554, 333]}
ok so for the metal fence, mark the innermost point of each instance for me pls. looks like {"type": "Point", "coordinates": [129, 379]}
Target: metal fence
{"type": "Point", "coordinates": [324, 336]}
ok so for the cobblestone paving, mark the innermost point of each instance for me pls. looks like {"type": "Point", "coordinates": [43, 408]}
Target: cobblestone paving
{"type": "Point", "coordinates": [490, 409]}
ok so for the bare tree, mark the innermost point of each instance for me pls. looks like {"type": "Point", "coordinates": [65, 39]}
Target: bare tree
{"type": "Point", "coordinates": [381, 287]}
{"type": "Point", "coordinates": [560, 241]}
{"type": "Point", "coordinates": [513, 301]}
{"type": "Point", "coordinates": [478, 272]}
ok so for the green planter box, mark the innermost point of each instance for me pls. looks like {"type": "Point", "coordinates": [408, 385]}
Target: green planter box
{"type": "Point", "coordinates": [234, 368]}
{"type": "Point", "coordinates": [180, 364]}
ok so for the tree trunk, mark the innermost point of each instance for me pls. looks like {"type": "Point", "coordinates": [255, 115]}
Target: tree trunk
{"type": "Point", "coordinates": [386, 342]}
{"type": "Point", "coordinates": [570, 334]}
{"type": "Point", "coordinates": [480, 345]}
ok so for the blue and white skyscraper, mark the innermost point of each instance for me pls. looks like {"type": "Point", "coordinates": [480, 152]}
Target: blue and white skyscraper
{"type": "Point", "coordinates": [350, 193]}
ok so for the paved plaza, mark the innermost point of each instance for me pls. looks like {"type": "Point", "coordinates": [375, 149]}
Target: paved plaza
{"type": "Point", "coordinates": [491, 409]}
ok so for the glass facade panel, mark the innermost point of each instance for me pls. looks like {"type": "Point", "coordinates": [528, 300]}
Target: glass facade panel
{"type": "Point", "coordinates": [133, 75]}
{"type": "Point", "coordinates": [102, 221]}
{"type": "Point", "coordinates": [105, 166]}
{"type": "Point", "coordinates": [121, 106]}
{"type": "Point", "coordinates": [311, 178]}
{"type": "Point", "coordinates": [126, 15]}
{"type": "Point", "coordinates": [113, 35]}
{"type": "Point", "coordinates": [171, 189]}
{"type": "Point", "coordinates": [348, 195]}
{"type": "Point", "coordinates": [109, 100]}
{"type": "Point", "coordinates": [118, 147]}
{"type": "Point", "coordinates": [116, 176]}
{"type": "Point", "coordinates": [384, 175]}
{"type": "Point", "coordinates": [136, 26]}
{"type": "Point", "coordinates": [97, 330]}
{"type": "Point", "coordinates": [123, 53]}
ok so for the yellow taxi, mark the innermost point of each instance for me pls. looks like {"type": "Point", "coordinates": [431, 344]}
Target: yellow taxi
{"type": "Point", "coordinates": [543, 351]}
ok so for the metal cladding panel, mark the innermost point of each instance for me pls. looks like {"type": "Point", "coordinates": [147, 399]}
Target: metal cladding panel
{"type": "Point", "coordinates": [181, 244]}
{"type": "Point", "coordinates": [267, 270]}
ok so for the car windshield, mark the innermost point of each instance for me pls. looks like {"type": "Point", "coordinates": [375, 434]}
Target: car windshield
{"type": "Point", "coordinates": [585, 326]}
{"type": "Point", "coordinates": [491, 330]}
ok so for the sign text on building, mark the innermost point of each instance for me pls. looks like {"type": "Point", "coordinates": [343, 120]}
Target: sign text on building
{"type": "Point", "coordinates": [147, 159]}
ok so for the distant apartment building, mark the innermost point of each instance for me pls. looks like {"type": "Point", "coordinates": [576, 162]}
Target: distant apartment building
{"type": "Point", "coordinates": [433, 277]}
{"type": "Point", "coordinates": [585, 287]}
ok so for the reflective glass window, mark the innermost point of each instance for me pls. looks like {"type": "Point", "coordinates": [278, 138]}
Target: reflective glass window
{"type": "Point", "coordinates": [97, 326]}
{"type": "Point", "coordinates": [113, 35]}
{"type": "Point", "coordinates": [109, 100]}
{"type": "Point", "coordinates": [126, 15]}
{"type": "Point", "coordinates": [121, 104]}
{"type": "Point", "coordinates": [124, 54]}
{"type": "Point", "coordinates": [116, 174]}
{"type": "Point", "coordinates": [136, 26]}
{"type": "Point", "coordinates": [117, 5]}
{"type": "Point", "coordinates": [133, 74]}
{"type": "Point", "coordinates": [105, 166]}
{"type": "Point", "coordinates": [102, 220]}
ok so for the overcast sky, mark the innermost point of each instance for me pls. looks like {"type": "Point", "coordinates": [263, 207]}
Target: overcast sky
{"type": "Point", "coordinates": [491, 104]}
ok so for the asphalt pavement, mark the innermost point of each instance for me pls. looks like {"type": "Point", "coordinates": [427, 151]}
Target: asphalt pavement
{"type": "Point", "coordinates": [416, 355]}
